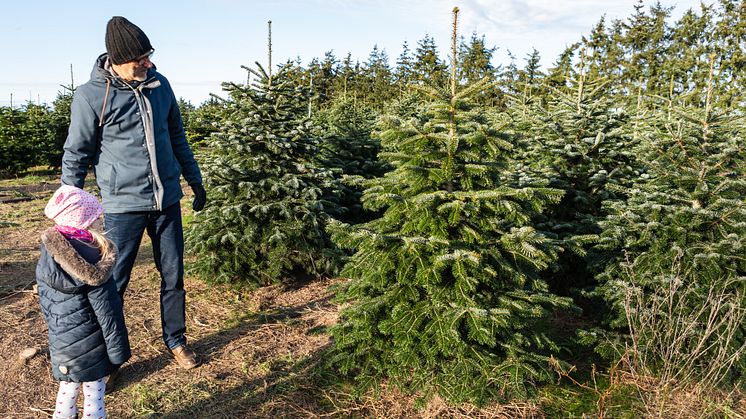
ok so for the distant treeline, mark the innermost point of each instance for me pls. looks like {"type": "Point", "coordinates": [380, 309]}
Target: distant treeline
{"type": "Point", "coordinates": [644, 54]}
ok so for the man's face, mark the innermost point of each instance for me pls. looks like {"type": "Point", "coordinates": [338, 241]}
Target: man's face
{"type": "Point", "coordinates": [135, 70]}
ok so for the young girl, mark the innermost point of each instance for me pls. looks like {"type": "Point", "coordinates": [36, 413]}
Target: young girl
{"type": "Point", "coordinates": [87, 336]}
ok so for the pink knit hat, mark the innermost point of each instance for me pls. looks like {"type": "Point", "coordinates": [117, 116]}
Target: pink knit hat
{"type": "Point", "coordinates": [73, 207]}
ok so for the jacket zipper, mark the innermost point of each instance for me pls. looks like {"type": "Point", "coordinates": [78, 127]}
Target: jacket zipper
{"type": "Point", "coordinates": [146, 115]}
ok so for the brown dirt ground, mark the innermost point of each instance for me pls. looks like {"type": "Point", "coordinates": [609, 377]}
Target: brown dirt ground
{"type": "Point", "coordinates": [258, 347]}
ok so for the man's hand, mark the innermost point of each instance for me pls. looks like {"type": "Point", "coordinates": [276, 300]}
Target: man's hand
{"type": "Point", "coordinates": [200, 197]}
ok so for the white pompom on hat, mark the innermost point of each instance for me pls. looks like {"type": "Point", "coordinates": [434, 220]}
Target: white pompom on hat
{"type": "Point", "coordinates": [73, 207]}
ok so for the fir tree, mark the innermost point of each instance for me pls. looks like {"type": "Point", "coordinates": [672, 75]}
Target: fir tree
{"type": "Point", "coordinates": [645, 41]}
{"type": "Point", "coordinates": [15, 146]}
{"type": "Point", "coordinates": [59, 125]}
{"type": "Point", "coordinates": [349, 149]}
{"type": "Point", "coordinates": [344, 82]}
{"type": "Point", "coordinates": [728, 36]}
{"type": "Point", "coordinates": [475, 63]}
{"type": "Point", "coordinates": [319, 77]}
{"type": "Point", "coordinates": [475, 60]}
{"type": "Point", "coordinates": [531, 73]}
{"type": "Point", "coordinates": [267, 202]}
{"type": "Point", "coordinates": [579, 142]}
{"type": "Point", "coordinates": [428, 67]}
{"type": "Point", "coordinates": [444, 292]}
{"type": "Point", "coordinates": [506, 82]}
{"type": "Point", "coordinates": [404, 71]}
{"type": "Point", "coordinates": [201, 122]}
{"type": "Point", "coordinates": [379, 79]}
{"type": "Point", "coordinates": [686, 66]}
{"type": "Point", "coordinates": [562, 70]}
{"type": "Point", "coordinates": [683, 227]}
{"type": "Point", "coordinates": [40, 135]}
{"type": "Point", "coordinates": [604, 54]}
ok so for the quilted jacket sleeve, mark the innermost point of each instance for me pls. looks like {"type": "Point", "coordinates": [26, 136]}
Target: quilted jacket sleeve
{"type": "Point", "coordinates": [107, 305]}
{"type": "Point", "coordinates": [82, 141]}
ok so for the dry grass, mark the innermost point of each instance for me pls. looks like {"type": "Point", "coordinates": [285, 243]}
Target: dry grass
{"type": "Point", "coordinates": [259, 348]}
{"type": "Point", "coordinates": [684, 344]}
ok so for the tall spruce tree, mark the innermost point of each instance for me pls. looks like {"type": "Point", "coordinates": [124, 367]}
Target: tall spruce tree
{"type": "Point", "coordinates": [428, 68]}
{"type": "Point", "coordinates": [728, 36]}
{"type": "Point", "coordinates": [645, 42]}
{"type": "Point", "coordinates": [267, 201]}
{"type": "Point", "coordinates": [379, 81]}
{"type": "Point", "coordinates": [475, 63]}
{"type": "Point", "coordinates": [599, 47]}
{"type": "Point", "coordinates": [475, 60]}
{"type": "Point", "coordinates": [444, 293]}
{"type": "Point", "coordinates": [404, 71]}
{"type": "Point", "coordinates": [344, 80]}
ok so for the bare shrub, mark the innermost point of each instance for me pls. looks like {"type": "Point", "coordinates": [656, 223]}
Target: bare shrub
{"type": "Point", "coordinates": [689, 336]}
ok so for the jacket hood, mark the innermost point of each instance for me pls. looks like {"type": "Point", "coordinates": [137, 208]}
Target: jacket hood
{"type": "Point", "coordinates": [102, 71]}
{"type": "Point", "coordinates": [71, 262]}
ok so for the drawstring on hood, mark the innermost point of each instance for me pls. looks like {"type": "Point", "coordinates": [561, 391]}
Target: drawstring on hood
{"type": "Point", "coordinates": [103, 70]}
{"type": "Point", "coordinates": [103, 108]}
{"type": "Point", "coordinates": [138, 148]}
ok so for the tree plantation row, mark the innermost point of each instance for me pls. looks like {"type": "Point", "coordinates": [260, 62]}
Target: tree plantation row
{"type": "Point", "coordinates": [495, 224]}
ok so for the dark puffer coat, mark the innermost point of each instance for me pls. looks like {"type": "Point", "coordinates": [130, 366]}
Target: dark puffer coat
{"type": "Point", "coordinates": [87, 334]}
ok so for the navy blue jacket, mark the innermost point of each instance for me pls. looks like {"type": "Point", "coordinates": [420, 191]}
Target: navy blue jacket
{"type": "Point", "coordinates": [132, 133]}
{"type": "Point", "coordinates": [83, 311]}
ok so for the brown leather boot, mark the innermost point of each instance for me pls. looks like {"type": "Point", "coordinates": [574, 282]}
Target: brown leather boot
{"type": "Point", "coordinates": [185, 357]}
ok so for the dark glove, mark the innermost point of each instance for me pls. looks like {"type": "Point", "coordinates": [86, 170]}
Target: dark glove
{"type": "Point", "coordinates": [200, 197]}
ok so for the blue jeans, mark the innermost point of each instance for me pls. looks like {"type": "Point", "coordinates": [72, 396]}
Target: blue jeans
{"type": "Point", "coordinates": [167, 235]}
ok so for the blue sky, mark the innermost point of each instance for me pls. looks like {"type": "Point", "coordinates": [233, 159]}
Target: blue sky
{"type": "Point", "coordinates": [201, 43]}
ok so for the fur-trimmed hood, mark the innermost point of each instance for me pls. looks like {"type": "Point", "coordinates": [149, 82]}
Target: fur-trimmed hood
{"type": "Point", "coordinates": [85, 323]}
{"type": "Point", "coordinates": [73, 263]}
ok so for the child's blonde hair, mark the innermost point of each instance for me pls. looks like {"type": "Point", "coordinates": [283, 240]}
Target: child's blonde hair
{"type": "Point", "coordinates": [103, 244]}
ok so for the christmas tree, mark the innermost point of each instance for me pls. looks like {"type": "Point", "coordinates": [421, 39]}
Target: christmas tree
{"type": "Point", "coordinates": [580, 142]}
{"type": "Point", "coordinates": [268, 202]}
{"type": "Point", "coordinates": [444, 293]}
{"type": "Point", "coordinates": [678, 284]}
{"type": "Point", "coordinates": [349, 149]}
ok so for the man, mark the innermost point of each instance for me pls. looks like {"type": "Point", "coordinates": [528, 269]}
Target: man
{"type": "Point", "coordinates": [125, 121]}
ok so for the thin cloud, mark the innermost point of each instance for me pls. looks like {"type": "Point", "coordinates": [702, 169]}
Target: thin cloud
{"type": "Point", "coordinates": [548, 26]}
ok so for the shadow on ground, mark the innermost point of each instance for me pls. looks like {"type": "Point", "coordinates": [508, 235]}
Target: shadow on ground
{"type": "Point", "coordinates": [264, 365]}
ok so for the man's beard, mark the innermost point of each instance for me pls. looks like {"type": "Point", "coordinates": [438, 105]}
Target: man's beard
{"type": "Point", "coordinates": [140, 75]}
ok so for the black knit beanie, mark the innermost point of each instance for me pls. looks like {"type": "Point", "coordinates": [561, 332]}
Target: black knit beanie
{"type": "Point", "coordinates": [125, 41]}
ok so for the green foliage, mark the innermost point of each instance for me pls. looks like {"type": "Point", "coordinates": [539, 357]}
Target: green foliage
{"type": "Point", "coordinates": [404, 71]}
{"type": "Point", "coordinates": [497, 192]}
{"type": "Point", "coordinates": [475, 60]}
{"type": "Point", "coordinates": [34, 134]}
{"type": "Point", "coordinates": [28, 137]}
{"type": "Point", "coordinates": [379, 86]}
{"type": "Point", "coordinates": [14, 151]}
{"type": "Point", "coordinates": [444, 293]}
{"type": "Point", "coordinates": [580, 142]}
{"type": "Point", "coordinates": [349, 149]}
{"type": "Point", "coordinates": [201, 122]}
{"type": "Point", "coordinates": [60, 124]}
{"type": "Point", "coordinates": [475, 63]}
{"type": "Point", "coordinates": [267, 201]}
{"type": "Point", "coordinates": [684, 223]}
{"type": "Point", "coordinates": [428, 68]}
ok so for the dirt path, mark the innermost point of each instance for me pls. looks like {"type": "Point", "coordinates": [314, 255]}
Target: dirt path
{"type": "Point", "coordinates": [259, 347]}
{"type": "Point", "coordinates": [253, 343]}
